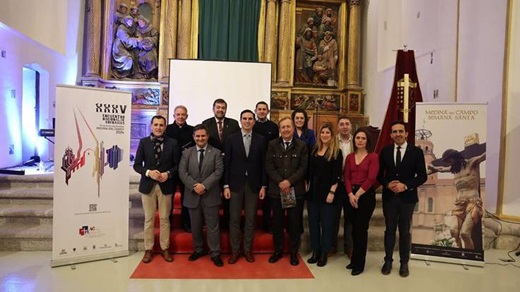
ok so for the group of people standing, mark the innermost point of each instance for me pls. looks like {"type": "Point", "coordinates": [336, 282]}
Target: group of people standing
{"type": "Point", "coordinates": [283, 166]}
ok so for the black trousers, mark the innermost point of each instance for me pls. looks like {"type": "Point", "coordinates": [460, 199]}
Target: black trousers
{"type": "Point", "coordinates": [342, 204]}
{"type": "Point", "coordinates": [294, 224]}
{"type": "Point", "coordinates": [398, 215]}
{"type": "Point", "coordinates": [322, 216]}
{"type": "Point", "coordinates": [360, 219]}
{"type": "Point", "coordinates": [266, 212]}
{"type": "Point", "coordinates": [185, 214]}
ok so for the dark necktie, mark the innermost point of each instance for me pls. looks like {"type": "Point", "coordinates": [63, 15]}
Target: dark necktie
{"type": "Point", "coordinates": [201, 158]}
{"type": "Point", "coordinates": [157, 142]}
{"type": "Point", "coordinates": [287, 144]}
{"type": "Point", "coordinates": [220, 130]}
{"type": "Point", "coordinates": [398, 157]}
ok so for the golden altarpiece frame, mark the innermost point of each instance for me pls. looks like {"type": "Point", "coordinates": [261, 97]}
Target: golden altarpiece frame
{"type": "Point", "coordinates": [314, 47]}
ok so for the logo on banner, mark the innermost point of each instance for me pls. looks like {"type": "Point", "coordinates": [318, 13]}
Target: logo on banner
{"type": "Point", "coordinates": [112, 156]}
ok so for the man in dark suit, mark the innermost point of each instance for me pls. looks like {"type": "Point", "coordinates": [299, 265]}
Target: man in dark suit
{"type": "Point", "coordinates": [200, 170]}
{"type": "Point", "coordinates": [157, 160]}
{"type": "Point", "coordinates": [244, 182]}
{"type": "Point", "coordinates": [219, 128]}
{"type": "Point", "coordinates": [183, 133]}
{"type": "Point", "coordinates": [286, 166]}
{"type": "Point", "coordinates": [269, 130]}
{"type": "Point", "coordinates": [401, 171]}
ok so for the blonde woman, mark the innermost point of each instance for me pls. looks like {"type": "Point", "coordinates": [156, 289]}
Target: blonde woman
{"type": "Point", "coordinates": [324, 175]}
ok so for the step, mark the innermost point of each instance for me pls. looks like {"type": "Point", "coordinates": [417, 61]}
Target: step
{"type": "Point", "coordinates": [26, 237]}
{"type": "Point", "coordinates": [26, 214]}
{"type": "Point", "coordinates": [26, 181]}
{"type": "Point", "coordinates": [43, 195]}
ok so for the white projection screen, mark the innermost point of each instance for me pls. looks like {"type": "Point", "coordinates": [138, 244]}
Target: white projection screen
{"type": "Point", "coordinates": [197, 83]}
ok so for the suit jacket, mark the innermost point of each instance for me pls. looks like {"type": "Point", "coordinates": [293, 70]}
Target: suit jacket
{"type": "Point", "coordinates": [145, 160]}
{"type": "Point", "coordinates": [290, 164]}
{"type": "Point", "coordinates": [209, 175]}
{"type": "Point", "coordinates": [230, 126]}
{"type": "Point", "coordinates": [411, 172]}
{"type": "Point", "coordinates": [236, 163]}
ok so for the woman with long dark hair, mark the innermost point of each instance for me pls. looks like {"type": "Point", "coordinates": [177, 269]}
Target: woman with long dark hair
{"type": "Point", "coordinates": [300, 120]}
{"type": "Point", "coordinates": [361, 168]}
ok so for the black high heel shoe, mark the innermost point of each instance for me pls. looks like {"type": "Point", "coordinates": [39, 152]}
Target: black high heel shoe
{"type": "Point", "coordinates": [314, 258]}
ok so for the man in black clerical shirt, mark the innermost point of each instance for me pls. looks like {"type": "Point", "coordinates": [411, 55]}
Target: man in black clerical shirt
{"type": "Point", "coordinates": [183, 133]}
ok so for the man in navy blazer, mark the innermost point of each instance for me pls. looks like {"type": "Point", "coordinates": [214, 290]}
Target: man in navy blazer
{"type": "Point", "coordinates": [200, 170]}
{"type": "Point", "coordinates": [401, 171]}
{"type": "Point", "coordinates": [219, 128]}
{"type": "Point", "coordinates": [156, 159]}
{"type": "Point", "coordinates": [245, 181]}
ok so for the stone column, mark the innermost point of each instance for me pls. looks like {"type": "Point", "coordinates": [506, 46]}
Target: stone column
{"type": "Point", "coordinates": [285, 43]}
{"type": "Point", "coordinates": [93, 39]}
{"type": "Point", "coordinates": [271, 36]}
{"type": "Point", "coordinates": [353, 44]}
{"type": "Point", "coordinates": [167, 37]}
{"type": "Point", "coordinates": [184, 35]}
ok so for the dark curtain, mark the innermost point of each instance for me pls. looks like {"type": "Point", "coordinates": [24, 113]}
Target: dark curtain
{"type": "Point", "coordinates": [228, 30]}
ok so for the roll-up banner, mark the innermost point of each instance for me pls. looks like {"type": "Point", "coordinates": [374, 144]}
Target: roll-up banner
{"type": "Point", "coordinates": [91, 179]}
{"type": "Point", "coordinates": [448, 220]}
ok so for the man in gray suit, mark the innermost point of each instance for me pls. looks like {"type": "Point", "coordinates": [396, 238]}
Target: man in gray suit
{"type": "Point", "coordinates": [200, 170]}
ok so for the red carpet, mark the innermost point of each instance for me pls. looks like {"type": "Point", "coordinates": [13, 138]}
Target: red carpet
{"type": "Point", "coordinates": [204, 268]}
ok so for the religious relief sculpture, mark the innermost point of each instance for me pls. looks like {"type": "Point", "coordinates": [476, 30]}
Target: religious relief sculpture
{"type": "Point", "coordinates": [147, 49]}
{"type": "Point", "coordinates": [134, 50]}
{"type": "Point", "coordinates": [123, 49]}
{"type": "Point", "coordinates": [316, 47]}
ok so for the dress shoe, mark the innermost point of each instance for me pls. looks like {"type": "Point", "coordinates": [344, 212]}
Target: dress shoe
{"type": "Point", "coordinates": [350, 266]}
{"type": "Point", "coordinates": [166, 256]}
{"type": "Point", "coordinates": [195, 256]}
{"type": "Point", "coordinates": [403, 270]}
{"type": "Point", "coordinates": [387, 268]}
{"type": "Point", "coordinates": [356, 272]}
{"type": "Point", "coordinates": [249, 257]}
{"type": "Point", "coordinates": [294, 260]}
{"type": "Point", "coordinates": [217, 261]}
{"type": "Point", "coordinates": [233, 258]}
{"type": "Point", "coordinates": [314, 258]}
{"type": "Point", "coordinates": [322, 261]}
{"type": "Point", "coordinates": [148, 256]}
{"type": "Point", "coordinates": [275, 257]}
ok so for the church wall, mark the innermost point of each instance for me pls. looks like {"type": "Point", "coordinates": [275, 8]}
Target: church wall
{"type": "Point", "coordinates": [57, 63]}
{"type": "Point", "coordinates": [480, 74]}
{"type": "Point", "coordinates": [473, 75]}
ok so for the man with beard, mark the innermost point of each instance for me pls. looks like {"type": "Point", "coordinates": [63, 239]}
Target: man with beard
{"type": "Point", "coordinates": [219, 128]}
